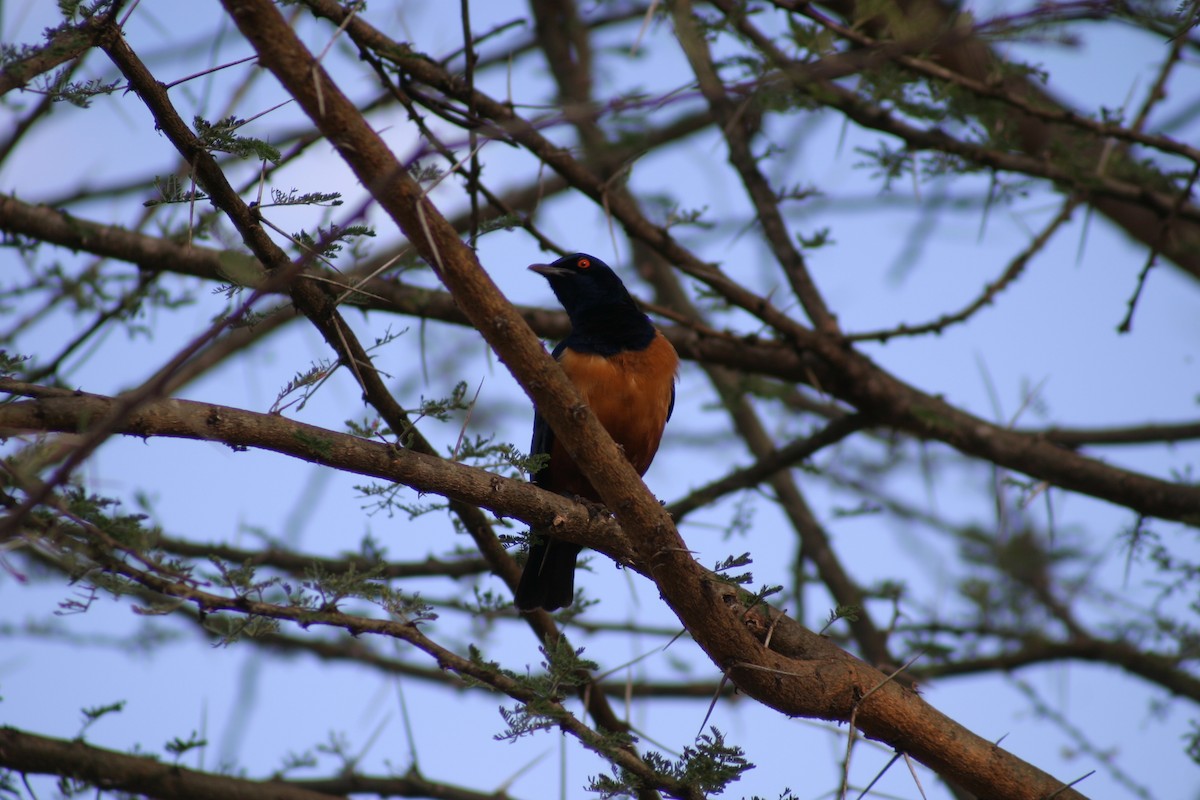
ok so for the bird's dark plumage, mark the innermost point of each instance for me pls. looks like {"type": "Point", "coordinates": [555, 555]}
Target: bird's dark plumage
{"type": "Point", "coordinates": [624, 369]}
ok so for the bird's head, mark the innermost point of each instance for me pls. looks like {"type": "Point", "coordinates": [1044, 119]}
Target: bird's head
{"type": "Point", "coordinates": [583, 284]}
{"type": "Point", "coordinates": [604, 318]}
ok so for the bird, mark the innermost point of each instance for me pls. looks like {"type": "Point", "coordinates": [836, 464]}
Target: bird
{"type": "Point", "coordinates": [624, 369]}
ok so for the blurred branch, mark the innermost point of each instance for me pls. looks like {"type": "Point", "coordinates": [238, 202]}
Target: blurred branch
{"type": "Point", "coordinates": [989, 293]}
{"type": "Point", "coordinates": [357, 651]}
{"type": "Point", "coordinates": [900, 405]}
{"type": "Point", "coordinates": [973, 59]}
{"type": "Point", "coordinates": [38, 113]}
{"type": "Point", "coordinates": [143, 775]}
{"type": "Point", "coordinates": [411, 784]}
{"type": "Point", "coordinates": [1006, 92]}
{"type": "Point", "coordinates": [783, 458]}
{"type": "Point", "coordinates": [299, 563]}
{"type": "Point", "coordinates": [1139, 434]}
{"type": "Point", "coordinates": [66, 43]}
{"type": "Point", "coordinates": [1161, 670]}
{"type": "Point", "coordinates": [1077, 177]}
{"type": "Point", "coordinates": [738, 124]}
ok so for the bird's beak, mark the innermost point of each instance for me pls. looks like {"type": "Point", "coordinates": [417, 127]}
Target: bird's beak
{"type": "Point", "coordinates": [548, 270]}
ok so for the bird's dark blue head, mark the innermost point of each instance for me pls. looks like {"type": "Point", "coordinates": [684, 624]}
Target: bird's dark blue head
{"type": "Point", "coordinates": [604, 318]}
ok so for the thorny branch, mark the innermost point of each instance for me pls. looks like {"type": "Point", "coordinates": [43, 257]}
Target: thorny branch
{"type": "Point", "coordinates": [807, 367]}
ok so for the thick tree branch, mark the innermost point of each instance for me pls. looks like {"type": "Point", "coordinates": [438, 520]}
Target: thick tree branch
{"type": "Point", "coordinates": [891, 401]}
{"type": "Point", "coordinates": [109, 770]}
{"type": "Point", "coordinates": [824, 681]}
{"type": "Point", "coordinates": [703, 610]}
{"type": "Point", "coordinates": [746, 421]}
{"type": "Point", "coordinates": [825, 361]}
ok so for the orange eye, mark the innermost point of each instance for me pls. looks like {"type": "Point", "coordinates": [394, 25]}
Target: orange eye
{"type": "Point", "coordinates": [583, 263]}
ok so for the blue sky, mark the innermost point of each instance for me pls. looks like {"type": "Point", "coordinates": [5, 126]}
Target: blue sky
{"type": "Point", "coordinates": [1053, 334]}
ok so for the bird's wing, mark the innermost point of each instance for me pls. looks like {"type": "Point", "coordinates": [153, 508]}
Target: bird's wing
{"type": "Point", "coordinates": [543, 437]}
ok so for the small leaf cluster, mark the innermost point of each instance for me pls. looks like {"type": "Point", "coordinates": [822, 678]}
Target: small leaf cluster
{"type": "Point", "coordinates": [731, 563]}
{"type": "Point", "coordinates": [709, 766]}
{"type": "Point", "coordinates": [387, 498]}
{"type": "Point", "coordinates": [78, 9]}
{"type": "Point", "coordinates": [171, 189]}
{"type": "Point", "coordinates": [565, 670]}
{"type": "Point", "coordinates": [328, 242]}
{"type": "Point", "coordinates": [60, 89]}
{"type": "Point", "coordinates": [10, 364]}
{"type": "Point", "coordinates": [178, 747]}
{"type": "Point", "coordinates": [305, 384]}
{"type": "Point", "coordinates": [295, 198]}
{"type": "Point", "coordinates": [220, 137]}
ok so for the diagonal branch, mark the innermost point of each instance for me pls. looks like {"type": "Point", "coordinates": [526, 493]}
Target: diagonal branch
{"type": "Point", "coordinates": [1045, 457]}
{"type": "Point", "coordinates": [785, 684]}
{"type": "Point", "coordinates": [973, 58]}
{"type": "Point", "coordinates": [737, 129]}
{"type": "Point", "coordinates": [745, 419]}
{"type": "Point", "coordinates": [823, 361]}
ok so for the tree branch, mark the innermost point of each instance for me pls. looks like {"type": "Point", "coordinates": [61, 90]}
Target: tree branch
{"type": "Point", "coordinates": [974, 59]}
{"type": "Point", "coordinates": [713, 623]}
{"type": "Point", "coordinates": [110, 770]}
{"type": "Point", "coordinates": [67, 43]}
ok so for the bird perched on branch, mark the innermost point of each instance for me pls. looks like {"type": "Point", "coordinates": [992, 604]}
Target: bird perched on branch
{"type": "Point", "coordinates": [624, 369]}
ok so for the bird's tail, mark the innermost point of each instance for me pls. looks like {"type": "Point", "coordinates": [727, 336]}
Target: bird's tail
{"type": "Point", "coordinates": [548, 580]}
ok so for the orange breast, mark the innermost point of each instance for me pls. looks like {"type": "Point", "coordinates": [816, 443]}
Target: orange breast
{"type": "Point", "coordinates": [630, 393]}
